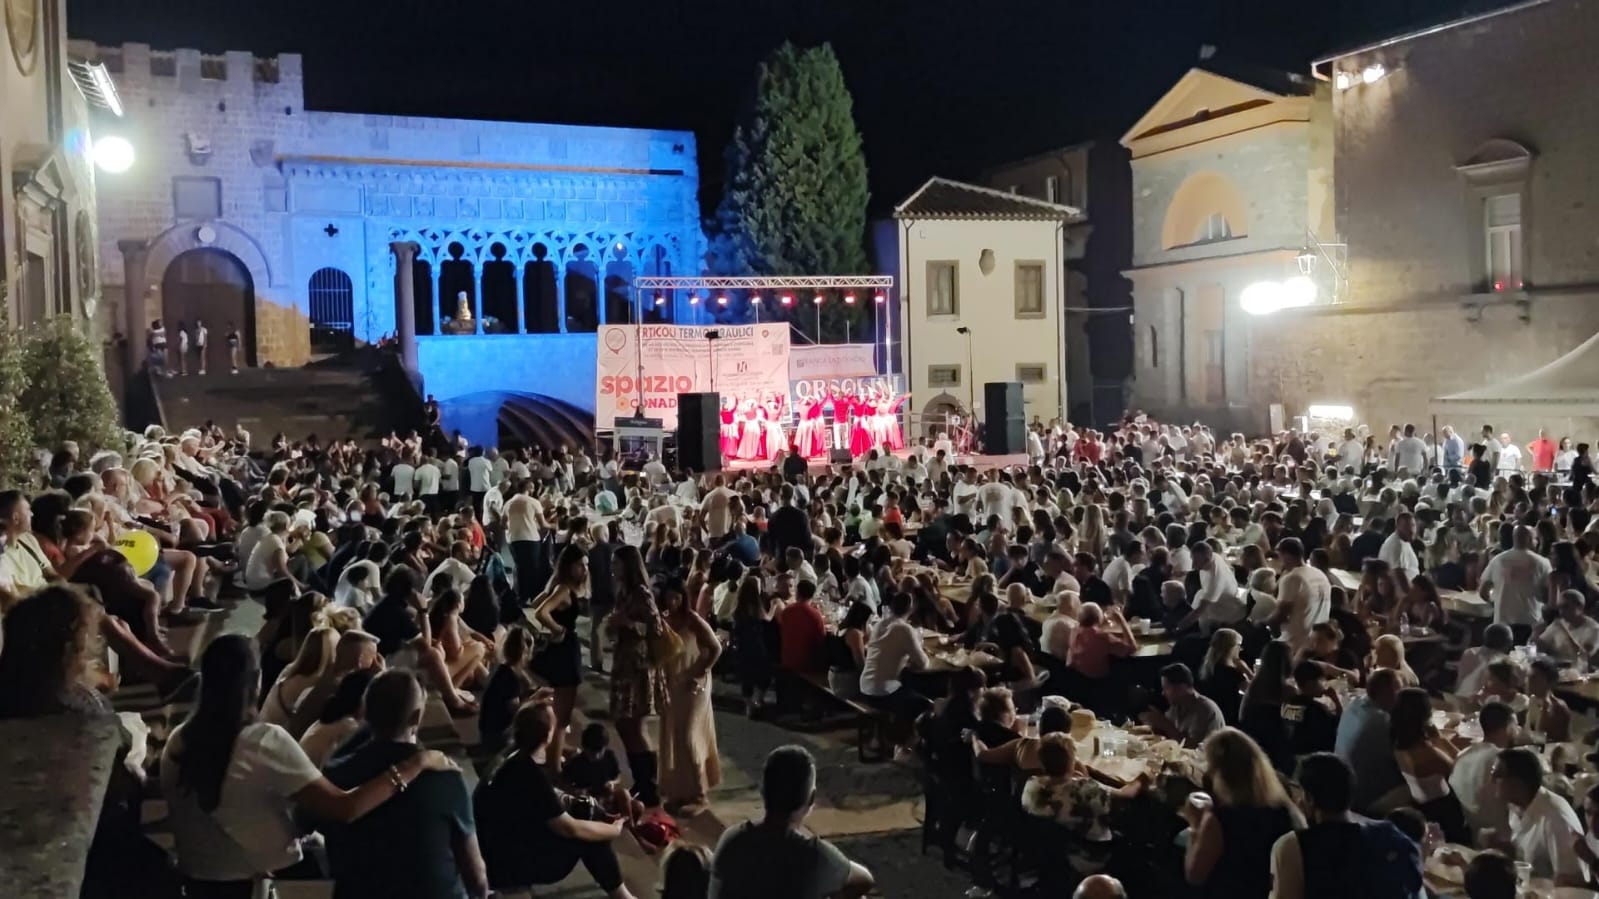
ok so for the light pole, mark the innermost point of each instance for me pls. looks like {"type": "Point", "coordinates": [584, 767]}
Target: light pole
{"type": "Point", "coordinates": [971, 383]}
{"type": "Point", "coordinates": [711, 337]}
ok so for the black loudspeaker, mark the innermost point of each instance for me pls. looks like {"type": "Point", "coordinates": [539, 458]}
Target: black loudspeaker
{"type": "Point", "coordinates": [1004, 425]}
{"type": "Point", "coordinates": [699, 435]}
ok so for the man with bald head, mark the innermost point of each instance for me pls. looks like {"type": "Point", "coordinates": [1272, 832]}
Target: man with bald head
{"type": "Point", "coordinates": [1363, 743]}
{"type": "Point", "coordinates": [1100, 886]}
{"type": "Point", "coordinates": [1516, 581]}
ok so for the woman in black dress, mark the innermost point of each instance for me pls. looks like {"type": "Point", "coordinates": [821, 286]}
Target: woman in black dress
{"type": "Point", "coordinates": [560, 662]}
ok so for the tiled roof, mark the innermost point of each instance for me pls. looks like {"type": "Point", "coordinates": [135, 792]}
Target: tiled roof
{"type": "Point", "coordinates": [941, 198]}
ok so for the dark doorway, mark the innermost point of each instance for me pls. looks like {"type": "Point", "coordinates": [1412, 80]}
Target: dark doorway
{"type": "Point", "coordinates": [212, 286]}
{"type": "Point", "coordinates": [332, 302]}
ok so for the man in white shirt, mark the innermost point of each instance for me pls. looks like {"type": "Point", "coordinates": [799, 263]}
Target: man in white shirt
{"type": "Point", "coordinates": [996, 498]}
{"type": "Point", "coordinates": [1217, 604]}
{"type": "Point", "coordinates": [894, 646]}
{"type": "Point", "coordinates": [1119, 574]}
{"type": "Point", "coordinates": [479, 472]}
{"type": "Point", "coordinates": [404, 474]}
{"type": "Point", "coordinates": [1472, 780]}
{"type": "Point", "coordinates": [524, 517]}
{"type": "Point", "coordinates": [654, 471]}
{"type": "Point", "coordinates": [427, 484]}
{"type": "Point", "coordinates": [456, 570]}
{"type": "Point", "coordinates": [1572, 637]}
{"type": "Point", "coordinates": [1304, 595]}
{"type": "Point", "coordinates": [1544, 830]}
{"type": "Point", "coordinates": [1509, 461]}
{"type": "Point", "coordinates": [938, 464]}
{"type": "Point", "coordinates": [1397, 550]}
{"type": "Point", "coordinates": [717, 511]}
{"type": "Point", "coordinates": [1515, 581]}
{"type": "Point", "coordinates": [1411, 453]}
{"type": "Point", "coordinates": [450, 481]}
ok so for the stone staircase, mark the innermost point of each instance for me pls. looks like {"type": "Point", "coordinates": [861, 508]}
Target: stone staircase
{"type": "Point", "coordinates": [332, 401]}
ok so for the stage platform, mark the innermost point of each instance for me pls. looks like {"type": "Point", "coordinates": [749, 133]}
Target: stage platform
{"type": "Point", "coordinates": [821, 466]}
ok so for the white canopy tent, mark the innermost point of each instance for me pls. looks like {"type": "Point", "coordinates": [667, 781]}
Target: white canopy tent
{"type": "Point", "coordinates": [1565, 388]}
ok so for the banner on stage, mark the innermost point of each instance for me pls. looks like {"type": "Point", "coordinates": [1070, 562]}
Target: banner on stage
{"type": "Point", "coordinates": [830, 361]}
{"type": "Point", "coordinates": [804, 390]}
{"type": "Point", "coordinates": [751, 361]}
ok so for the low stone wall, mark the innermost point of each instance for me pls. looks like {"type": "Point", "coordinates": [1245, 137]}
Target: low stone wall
{"type": "Point", "coordinates": [57, 769]}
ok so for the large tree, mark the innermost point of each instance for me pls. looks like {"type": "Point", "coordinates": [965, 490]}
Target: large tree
{"type": "Point", "coordinates": [795, 195]}
{"type": "Point", "coordinates": [67, 397]}
{"type": "Point", "coordinates": [16, 432]}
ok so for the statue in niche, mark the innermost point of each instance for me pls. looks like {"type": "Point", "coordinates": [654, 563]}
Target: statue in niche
{"type": "Point", "coordinates": [540, 305]}
{"type": "Point", "coordinates": [582, 292]}
{"type": "Point", "coordinates": [462, 322]}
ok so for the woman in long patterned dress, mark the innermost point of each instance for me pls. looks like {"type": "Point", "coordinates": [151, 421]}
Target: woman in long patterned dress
{"type": "Point", "coordinates": [808, 438]}
{"type": "Point", "coordinates": [776, 435]}
{"type": "Point", "coordinates": [690, 767]}
{"type": "Point", "coordinates": [749, 441]}
{"type": "Point", "coordinates": [729, 431]}
{"type": "Point", "coordinates": [638, 679]}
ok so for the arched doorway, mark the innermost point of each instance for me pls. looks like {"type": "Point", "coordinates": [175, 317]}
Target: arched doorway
{"type": "Point", "coordinates": [939, 414]}
{"type": "Point", "coordinates": [213, 286]}
{"type": "Point", "coordinates": [332, 300]}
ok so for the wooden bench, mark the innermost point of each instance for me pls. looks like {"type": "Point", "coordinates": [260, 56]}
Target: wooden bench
{"type": "Point", "coordinates": [873, 742]}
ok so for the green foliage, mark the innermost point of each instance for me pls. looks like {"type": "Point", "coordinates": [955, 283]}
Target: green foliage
{"type": "Point", "coordinates": [795, 197]}
{"type": "Point", "coordinates": [67, 397]}
{"type": "Point", "coordinates": [16, 431]}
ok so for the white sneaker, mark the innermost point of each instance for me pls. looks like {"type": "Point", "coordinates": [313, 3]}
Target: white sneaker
{"type": "Point", "coordinates": [978, 893]}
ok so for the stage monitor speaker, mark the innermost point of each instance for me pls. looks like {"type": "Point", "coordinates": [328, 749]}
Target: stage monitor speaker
{"type": "Point", "coordinates": [839, 456]}
{"type": "Point", "coordinates": [699, 435]}
{"type": "Point", "coordinates": [1004, 423]}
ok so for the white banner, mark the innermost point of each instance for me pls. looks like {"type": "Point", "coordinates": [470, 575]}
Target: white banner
{"type": "Point", "coordinates": [751, 362]}
{"type": "Point", "coordinates": [831, 361]}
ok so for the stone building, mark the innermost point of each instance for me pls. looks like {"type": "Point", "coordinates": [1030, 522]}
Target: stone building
{"type": "Point", "coordinates": [1230, 182]}
{"type": "Point", "coordinates": [1469, 198]}
{"type": "Point", "coordinates": [47, 184]}
{"type": "Point", "coordinates": [255, 214]}
{"type": "Point", "coordinates": [1094, 178]}
{"type": "Point", "coordinates": [981, 278]}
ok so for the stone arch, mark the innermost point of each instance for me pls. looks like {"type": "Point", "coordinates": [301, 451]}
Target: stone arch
{"type": "Point", "coordinates": [1200, 196]}
{"type": "Point", "coordinates": [1498, 151]}
{"type": "Point", "coordinates": [214, 235]}
{"type": "Point", "coordinates": [937, 411]}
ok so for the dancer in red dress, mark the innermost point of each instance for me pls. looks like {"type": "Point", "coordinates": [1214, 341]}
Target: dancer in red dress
{"type": "Point", "coordinates": [776, 435]}
{"type": "Point", "coordinates": [860, 432]}
{"type": "Point", "coordinates": [896, 438]}
{"type": "Point", "coordinates": [729, 430]}
{"type": "Point", "coordinates": [808, 438]}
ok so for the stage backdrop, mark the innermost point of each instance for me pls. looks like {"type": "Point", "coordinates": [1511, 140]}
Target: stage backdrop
{"type": "Point", "coordinates": [751, 360]}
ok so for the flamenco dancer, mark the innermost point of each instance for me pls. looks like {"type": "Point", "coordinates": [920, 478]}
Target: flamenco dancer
{"type": "Point", "coordinates": [751, 430]}
{"type": "Point", "coordinates": [776, 438]}
{"type": "Point", "coordinates": [729, 429]}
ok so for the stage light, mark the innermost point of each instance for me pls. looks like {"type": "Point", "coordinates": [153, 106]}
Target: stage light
{"type": "Point", "coordinates": [1343, 80]}
{"type": "Point", "coordinates": [817, 299]}
{"type": "Point", "coordinates": [849, 299]}
{"type": "Point", "coordinates": [787, 300]}
{"type": "Point", "coordinates": [1373, 73]}
{"type": "Point", "coordinates": [660, 300]}
{"type": "Point", "coordinates": [721, 300]}
{"type": "Point", "coordinates": [113, 154]}
{"type": "Point", "coordinates": [693, 299]}
{"type": "Point", "coordinates": [880, 299]}
{"type": "Point", "coordinates": [619, 247]}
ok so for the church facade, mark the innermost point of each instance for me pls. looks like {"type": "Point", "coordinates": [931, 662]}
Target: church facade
{"type": "Point", "coordinates": [262, 218]}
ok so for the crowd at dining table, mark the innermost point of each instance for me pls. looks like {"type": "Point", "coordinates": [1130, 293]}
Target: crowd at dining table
{"type": "Point", "coordinates": [1151, 661]}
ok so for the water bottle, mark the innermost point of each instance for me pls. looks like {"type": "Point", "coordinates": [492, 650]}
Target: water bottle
{"type": "Point", "coordinates": [1404, 624]}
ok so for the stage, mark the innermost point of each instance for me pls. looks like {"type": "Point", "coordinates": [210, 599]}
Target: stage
{"type": "Point", "coordinates": [821, 465]}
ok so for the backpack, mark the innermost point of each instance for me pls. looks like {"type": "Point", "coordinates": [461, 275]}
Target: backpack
{"type": "Point", "coordinates": [1369, 859]}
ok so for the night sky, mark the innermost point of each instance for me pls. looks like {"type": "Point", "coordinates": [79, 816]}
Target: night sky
{"type": "Point", "coordinates": [941, 86]}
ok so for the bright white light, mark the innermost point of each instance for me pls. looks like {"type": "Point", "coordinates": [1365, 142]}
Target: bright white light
{"type": "Point", "coordinates": [113, 154]}
{"type": "Point", "coordinates": [1332, 411]}
{"type": "Point", "coordinates": [1298, 291]}
{"type": "Point", "coordinates": [1343, 81]}
{"type": "Point", "coordinates": [1373, 73]}
{"type": "Point", "coordinates": [107, 88]}
{"type": "Point", "coordinates": [1261, 298]}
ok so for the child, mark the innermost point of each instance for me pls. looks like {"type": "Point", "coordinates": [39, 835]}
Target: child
{"type": "Point", "coordinates": [594, 772]}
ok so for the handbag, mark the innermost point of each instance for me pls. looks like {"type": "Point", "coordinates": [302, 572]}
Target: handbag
{"type": "Point", "coordinates": [665, 645]}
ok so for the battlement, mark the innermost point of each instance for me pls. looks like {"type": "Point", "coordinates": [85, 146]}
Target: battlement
{"type": "Point", "coordinates": [136, 63]}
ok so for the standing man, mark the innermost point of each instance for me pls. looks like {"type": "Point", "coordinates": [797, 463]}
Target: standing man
{"type": "Point", "coordinates": [201, 336]}
{"type": "Point", "coordinates": [183, 348]}
{"type": "Point", "coordinates": [1454, 450]}
{"type": "Point", "coordinates": [524, 516]}
{"type": "Point", "coordinates": [427, 484]}
{"type": "Point", "coordinates": [1516, 581]}
{"type": "Point", "coordinates": [1509, 456]}
{"type": "Point", "coordinates": [156, 340]}
{"type": "Point", "coordinates": [1304, 595]}
{"type": "Point", "coordinates": [479, 470]}
{"type": "Point", "coordinates": [1411, 453]}
{"type": "Point", "coordinates": [233, 348]}
{"type": "Point", "coordinates": [1398, 551]}
{"type": "Point", "coordinates": [1542, 452]}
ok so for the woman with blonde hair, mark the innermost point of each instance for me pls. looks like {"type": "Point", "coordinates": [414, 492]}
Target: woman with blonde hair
{"type": "Point", "coordinates": [1091, 535]}
{"type": "Point", "coordinates": [1224, 674]}
{"type": "Point", "coordinates": [1229, 849]}
{"type": "Point", "coordinates": [315, 654]}
{"type": "Point", "coordinates": [1388, 651]}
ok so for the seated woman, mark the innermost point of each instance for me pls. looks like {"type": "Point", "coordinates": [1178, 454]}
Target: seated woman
{"type": "Point", "coordinates": [526, 834]}
{"type": "Point", "coordinates": [508, 686]}
{"type": "Point", "coordinates": [1229, 850]}
{"type": "Point", "coordinates": [314, 657]}
{"type": "Point", "coordinates": [1502, 681]}
{"type": "Point", "coordinates": [464, 649]}
{"type": "Point", "coordinates": [1426, 759]}
{"type": "Point", "coordinates": [1067, 796]}
{"type": "Point", "coordinates": [846, 651]}
{"type": "Point", "coordinates": [1325, 649]}
{"type": "Point", "coordinates": [1224, 674]}
{"type": "Point", "coordinates": [1014, 647]}
{"type": "Point", "coordinates": [1472, 671]}
{"type": "Point", "coordinates": [1021, 752]}
{"type": "Point", "coordinates": [1260, 714]}
{"type": "Point", "coordinates": [1100, 637]}
{"type": "Point", "coordinates": [1388, 651]}
{"type": "Point", "coordinates": [1420, 606]}
{"type": "Point", "coordinates": [340, 718]}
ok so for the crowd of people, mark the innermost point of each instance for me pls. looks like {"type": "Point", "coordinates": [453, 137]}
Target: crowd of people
{"type": "Point", "coordinates": [1367, 656]}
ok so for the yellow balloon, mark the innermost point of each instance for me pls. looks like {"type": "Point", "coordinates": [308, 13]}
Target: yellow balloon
{"type": "Point", "coordinates": [140, 549]}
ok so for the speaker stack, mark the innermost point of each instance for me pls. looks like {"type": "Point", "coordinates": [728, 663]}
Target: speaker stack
{"type": "Point", "coordinates": [1004, 424]}
{"type": "Point", "coordinates": [699, 436]}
